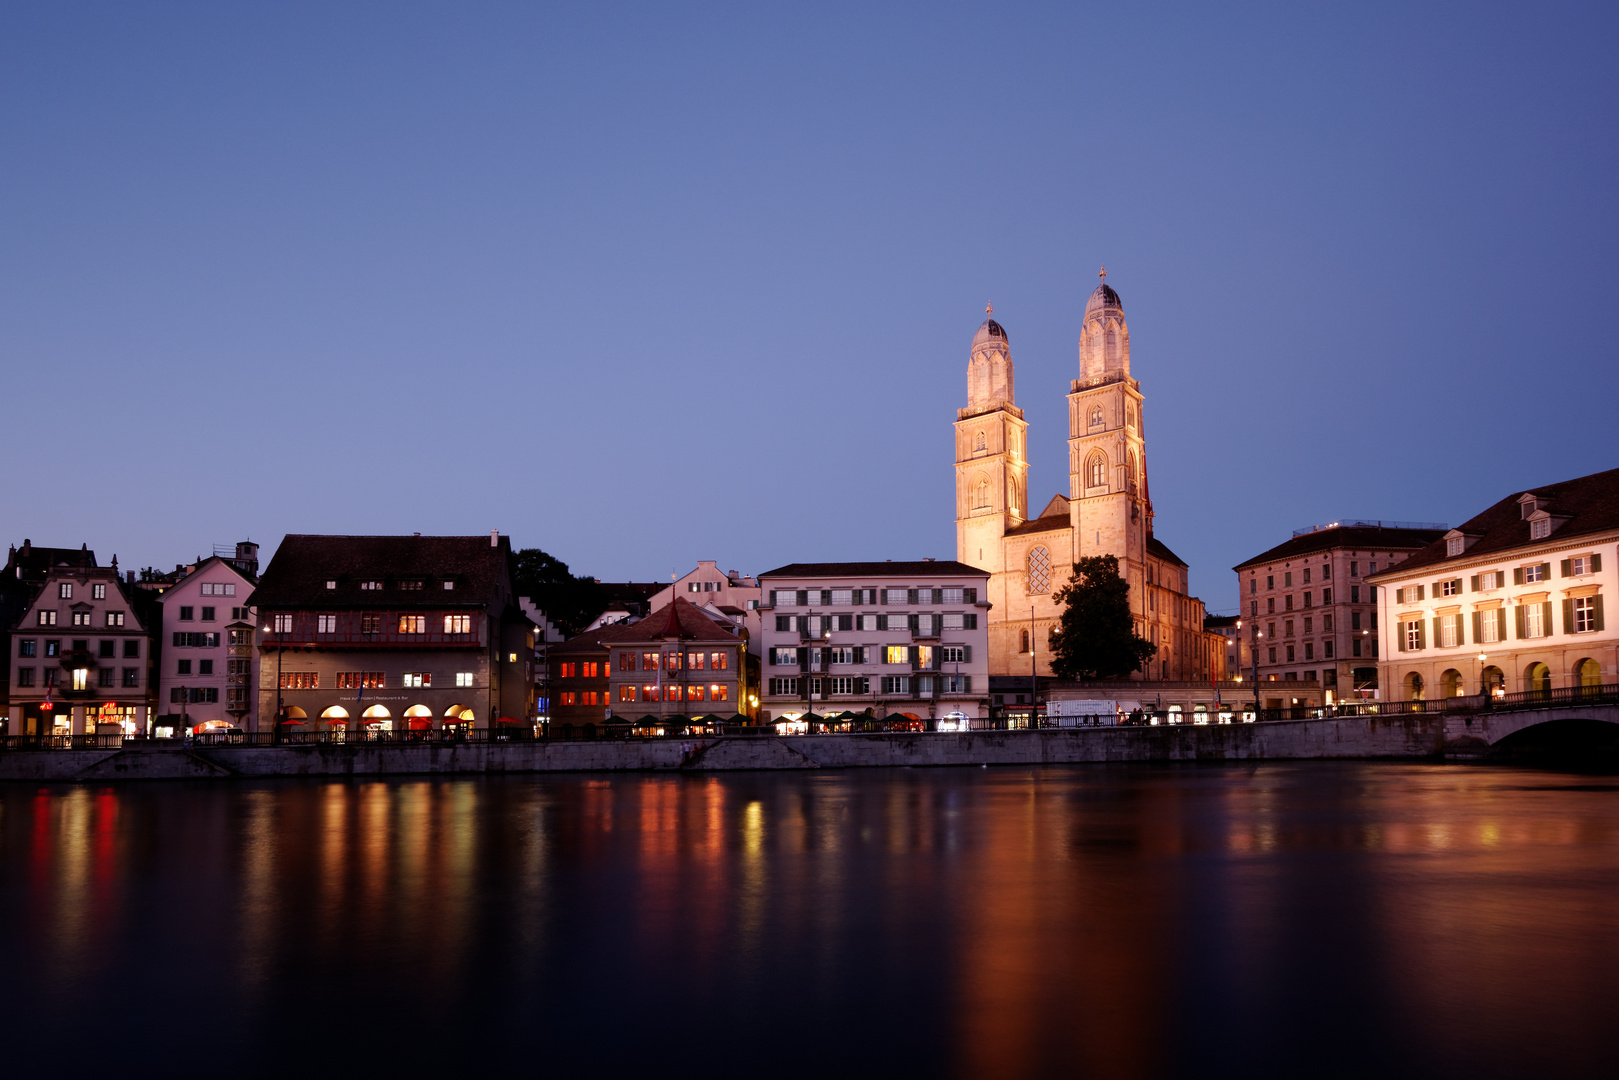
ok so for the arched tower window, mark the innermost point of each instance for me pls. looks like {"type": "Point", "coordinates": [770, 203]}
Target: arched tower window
{"type": "Point", "coordinates": [1130, 466]}
{"type": "Point", "coordinates": [1096, 416]}
{"type": "Point", "coordinates": [1025, 642]}
{"type": "Point", "coordinates": [982, 501]}
{"type": "Point", "coordinates": [1039, 571]}
{"type": "Point", "coordinates": [980, 445]}
{"type": "Point", "coordinates": [1096, 470]}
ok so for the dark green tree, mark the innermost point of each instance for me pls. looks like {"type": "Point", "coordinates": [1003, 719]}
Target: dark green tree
{"type": "Point", "coordinates": [569, 601]}
{"type": "Point", "coordinates": [1096, 637]}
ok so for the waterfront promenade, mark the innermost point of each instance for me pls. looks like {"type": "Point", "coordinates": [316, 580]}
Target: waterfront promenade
{"type": "Point", "coordinates": [1429, 735]}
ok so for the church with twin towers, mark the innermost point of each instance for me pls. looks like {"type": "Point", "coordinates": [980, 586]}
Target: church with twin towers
{"type": "Point", "coordinates": [1107, 510]}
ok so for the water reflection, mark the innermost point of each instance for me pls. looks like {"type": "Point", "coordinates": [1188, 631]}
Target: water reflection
{"type": "Point", "coordinates": [1108, 922]}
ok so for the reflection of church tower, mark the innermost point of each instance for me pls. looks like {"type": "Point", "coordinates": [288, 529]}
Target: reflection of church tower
{"type": "Point", "coordinates": [991, 448]}
{"type": "Point", "coordinates": [1107, 461]}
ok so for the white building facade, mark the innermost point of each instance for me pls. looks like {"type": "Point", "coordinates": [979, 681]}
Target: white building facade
{"type": "Point", "coordinates": [1511, 601]}
{"type": "Point", "coordinates": [886, 638]}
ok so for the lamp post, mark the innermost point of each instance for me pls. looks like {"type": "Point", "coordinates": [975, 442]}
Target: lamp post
{"type": "Point", "coordinates": [1034, 671]}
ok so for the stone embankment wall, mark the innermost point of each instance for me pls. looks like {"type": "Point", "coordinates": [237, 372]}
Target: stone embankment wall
{"type": "Point", "coordinates": [1369, 737]}
{"type": "Point", "coordinates": [1410, 737]}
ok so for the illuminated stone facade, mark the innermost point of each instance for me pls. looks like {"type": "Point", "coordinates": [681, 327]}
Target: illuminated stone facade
{"type": "Point", "coordinates": [1107, 510]}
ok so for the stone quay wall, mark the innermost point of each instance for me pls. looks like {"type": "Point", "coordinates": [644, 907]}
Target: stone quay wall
{"type": "Point", "coordinates": [1397, 737]}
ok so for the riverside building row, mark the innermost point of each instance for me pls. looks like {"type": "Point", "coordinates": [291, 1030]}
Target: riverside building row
{"type": "Point", "coordinates": [881, 638]}
{"type": "Point", "coordinates": [1309, 609]}
{"type": "Point", "coordinates": [1512, 600]}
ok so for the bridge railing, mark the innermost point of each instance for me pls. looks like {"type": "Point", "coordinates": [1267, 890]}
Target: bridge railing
{"type": "Point", "coordinates": [1472, 704]}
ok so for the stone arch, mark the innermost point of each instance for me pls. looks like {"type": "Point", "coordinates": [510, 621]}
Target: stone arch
{"type": "Point", "coordinates": [1492, 681]}
{"type": "Point", "coordinates": [1413, 686]}
{"type": "Point", "coordinates": [981, 443]}
{"type": "Point", "coordinates": [1587, 673]}
{"type": "Point", "coordinates": [1025, 647]}
{"type": "Point", "coordinates": [376, 714]}
{"type": "Point", "coordinates": [1537, 678]}
{"type": "Point", "coordinates": [981, 495]}
{"type": "Point", "coordinates": [335, 715]}
{"type": "Point", "coordinates": [1096, 470]}
{"type": "Point", "coordinates": [1450, 683]}
{"type": "Point", "coordinates": [1096, 416]}
{"type": "Point", "coordinates": [1130, 466]}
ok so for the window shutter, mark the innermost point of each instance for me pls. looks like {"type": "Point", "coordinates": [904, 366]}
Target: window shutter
{"type": "Point", "coordinates": [1596, 611]}
{"type": "Point", "coordinates": [966, 684]}
{"type": "Point", "coordinates": [970, 621]}
{"type": "Point", "coordinates": [972, 594]}
{"type": "Point", "coordinates": [1568, 613]}
{"type": "Point", "coordinates": [826, 597]}
{"type": "Point", "coordinates": [1517, 575]}
{"type": "Point", "coordinates": [1436, 638]}
{"type": "Point", "coordinates": [967, 650]}
{"type": "Point", "coordinates": [910, 596]}
{"type": "Point", "coordinates": [803, 659]}
{"type": "Point", "coordinates": [1518, 619]}
{"type": "Point", "coordinates": [1596, 564]}
{"type": "Point", "coordinates": [1399, 636]}
{"type": "Point", "coordinates": [911, 623]}
{"type": "Point", "coordinates": [882, 622]}
{"type": "Point", "coordinates": [1546, 617]}
{"type": "Point", "coordinates": [1563, 568]}
{"type": "Point", "coordinates": [1419, 592]}
{"type": "Point", "coordinates": [1478, 627]}
{"type": "Point", "coordinates": [1545, 570]}
{"type": "Point", "coordinates": [803, 598]}
{"type": "Point", "coordinates": [938, 596]}
{"type": "Point", "coordinates": [1472, 586]}
{"type": "Point", "coordinates": [912, 655]}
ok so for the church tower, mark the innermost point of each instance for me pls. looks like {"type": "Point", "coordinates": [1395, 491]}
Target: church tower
{"type": "Point", "coordinates": [991, 453]}
{"type": "Point", "coordinates": [1107, 458]}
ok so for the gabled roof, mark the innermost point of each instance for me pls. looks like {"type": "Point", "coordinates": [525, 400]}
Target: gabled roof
{"type": "Point", "coordinates": [1355, 537]}
{"type": "Point", "coordinates": [925, 568]}
{"type": "Point", "coordinates": [206, 565]}
{"type": "Point", "coordinates": [1157, 547]}
{"type": "Point", "coordinates": [1586, 505]}
{"type": "Point", "coordinates": [303, 564]}
{"type": "Point", "coordinates": [38, 560]}
{"type": "Point", "coordinates": [678, 621]}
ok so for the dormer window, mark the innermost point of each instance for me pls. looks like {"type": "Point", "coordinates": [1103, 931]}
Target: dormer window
{"type": "Point", "coordinates": [370, 586]}
{"type": "Point", "coordinates": [1539, 530]}
{"type": "Point", "coordinates": [411, 583]}
{"type": "Point", "coordinates": [330, 584]}
{"type": "Point", "coordinates": [1454, 546]}
{"type": "Point", "coordinates": [449, 585]}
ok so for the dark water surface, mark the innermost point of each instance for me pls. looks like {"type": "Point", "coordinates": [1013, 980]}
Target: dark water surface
{"type": "Point", "coordinates": [1313, 920]}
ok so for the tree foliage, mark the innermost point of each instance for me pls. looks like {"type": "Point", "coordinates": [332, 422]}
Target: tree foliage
{"type": "Point", "coordinates": [569, 601]}
{"type": "Point", "coordinates": [1096, 636]}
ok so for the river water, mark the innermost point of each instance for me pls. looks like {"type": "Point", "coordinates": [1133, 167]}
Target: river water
{"type": "Point", "coordinates": [1312, 919]}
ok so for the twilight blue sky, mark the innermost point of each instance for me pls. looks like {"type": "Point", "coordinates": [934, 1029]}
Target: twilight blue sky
{"type": "Point", "coordinates": [643, 285]}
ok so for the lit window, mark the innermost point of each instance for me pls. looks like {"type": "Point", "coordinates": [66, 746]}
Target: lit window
{"type": "Point", "coordinates": [370, 586]}
{"type": "Point", "coordinates": [416, 680]}
{"type": "Point", "coordinates": [719, 661]}
{"type": "Point", "coordinates": [897, 654]}
{"type": "Point", "coordinates": [463, 678]}
{"type": "Point", "coordinates": [696, 660]}
{"type": "Point", "coordinates": [1585, 614]}
{"type": "Point", "coordinates": [331, 584]}
{"type": "Point", "coordinates": [47, 618]}
{"type": "Point", "coordinates": [458, 624]}
{"type": "Point", "coordinates": [719, 692]}
{"type": "Point", "coordinates": [81, 618]}
{"type": "Point", "coordinates": [413, 624]}
{"type": "Point", "coordinates": [448, 586]}
{"type": "Point", "coordinates": [65, 590]}
{"type": "Point", "coordinates": [324, 624]}
{"type": "Point", "coordinates": [626, 693]}
{"type": "Point", "coordinates": [98, 592]}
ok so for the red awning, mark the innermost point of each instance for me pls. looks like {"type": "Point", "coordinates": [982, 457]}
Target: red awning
{"type": "Point", "coordinates": [509, 720]}
{"type": "Point", "coordinates": [292, 720]}
{"type": "Point", "coordinates": [419, 723]}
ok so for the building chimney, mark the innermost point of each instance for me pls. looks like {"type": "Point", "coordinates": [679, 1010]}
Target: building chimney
{"type": "Point", "coordinates": [494, 537]}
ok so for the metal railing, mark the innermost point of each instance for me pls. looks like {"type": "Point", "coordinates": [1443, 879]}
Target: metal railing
{"type": "Point", "coordinates": [61, 742]}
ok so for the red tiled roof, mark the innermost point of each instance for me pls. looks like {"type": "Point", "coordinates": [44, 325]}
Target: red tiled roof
{"type": "Point", "coordinates": [1589, 503]}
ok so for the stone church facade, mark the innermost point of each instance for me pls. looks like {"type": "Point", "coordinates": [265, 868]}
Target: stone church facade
{"type": "Point", "coordinates": [1107, 511]}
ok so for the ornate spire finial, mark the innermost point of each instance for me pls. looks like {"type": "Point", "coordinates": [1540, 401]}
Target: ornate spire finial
{"type": "Point", "coordinates": [989, 309]}
{"type": "Point", "coordinates": [1102, 273]}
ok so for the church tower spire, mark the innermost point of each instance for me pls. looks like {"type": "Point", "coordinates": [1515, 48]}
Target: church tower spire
{"type": "Point", "coordinates": [991, 451]}
{"type": "Point", "coordinates": [1107, 449]}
